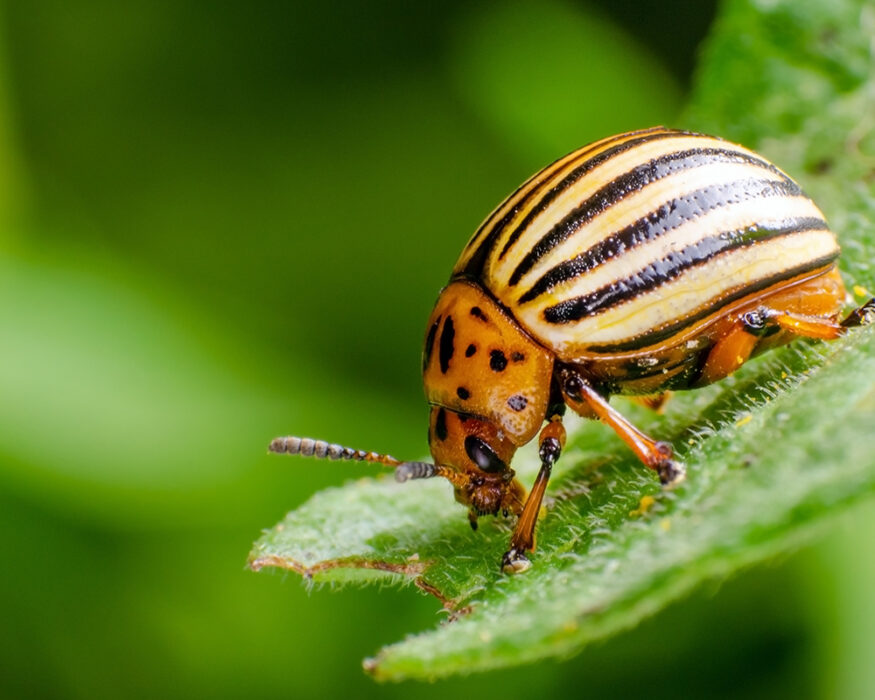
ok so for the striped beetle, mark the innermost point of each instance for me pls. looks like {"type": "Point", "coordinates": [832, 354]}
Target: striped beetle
{"type": "Point", "coordinates": [647, 262]}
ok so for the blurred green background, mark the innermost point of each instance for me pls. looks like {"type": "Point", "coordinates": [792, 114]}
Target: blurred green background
{"type": "Point", "coordinates": [225, 221]}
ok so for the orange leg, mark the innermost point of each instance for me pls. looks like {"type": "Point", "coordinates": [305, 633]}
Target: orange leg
{"type": "Point", "coordinates": [654, 454]}
{"type": "Point", "coordinates": [551, 442]}
{"type": "Point", "coordinates": [735, 348]}
{"type": "Point", "coordinates": [728, 354]}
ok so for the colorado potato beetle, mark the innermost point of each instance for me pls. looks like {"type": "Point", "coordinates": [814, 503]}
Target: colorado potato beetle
{"type": "Point", "coordinates": [651, 261]}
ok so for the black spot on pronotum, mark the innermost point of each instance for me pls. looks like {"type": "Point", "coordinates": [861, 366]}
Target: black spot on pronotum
{"type": "Point", "coordinates": [517, 357]}
{"type": "Point", "coordinates": [483, 455]}
{"type": "Point", "coordinates": [429, 343]}
{"type": "Point", "coordinates": [440, 425]}
{"type": "Point", "coordinates": [477, 312]}
{"type": "Point", "coordinates": [446, 344]}
{"type": "Point", "coordinates": [517, 402]}
{"type": "Point", "coordinates": [497, 361]}
{"type": "Point", "coordinates": [463, 393]}
{"type": "Point", "coordinates": [470, 350]}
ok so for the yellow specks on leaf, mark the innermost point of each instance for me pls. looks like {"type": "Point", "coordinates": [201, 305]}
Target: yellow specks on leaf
{"type": "Point", "coordinates": [784, 375]}
{"type": "Point", "coordinates": [665, 524]}
{"type": "Point", "coordinates": [744, 420]}
{"type": "Point", "coordinates": [645, 504]}
{"type": "Point", "coordinates": [861, 291]}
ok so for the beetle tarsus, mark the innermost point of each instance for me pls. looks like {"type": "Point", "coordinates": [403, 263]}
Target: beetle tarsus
{"type": "Point", "coordinates": [861, 316]}
{"type": "Point", "coordinates": [671, 472]}
{"type": "Point", "coordinates": [515, 561]}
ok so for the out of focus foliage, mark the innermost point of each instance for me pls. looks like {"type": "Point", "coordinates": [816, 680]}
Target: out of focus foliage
{"type": "Point", "coordinates": [223, 222]}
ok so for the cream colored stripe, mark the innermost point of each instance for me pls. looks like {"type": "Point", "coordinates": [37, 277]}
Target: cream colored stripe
{"type": "Point", "coordinates": [634, 207]}
{"type": "Point", "coordinates": [574, 160]}
{"type": "Point", "coordinates": [584, 188]}
{"type": "Point", "coordinates": [733, 217]}
{"type": "Point", "coordinates": [698, 287]}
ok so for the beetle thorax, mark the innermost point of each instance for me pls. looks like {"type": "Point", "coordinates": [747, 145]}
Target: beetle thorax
{"type": "Point", "coordinates": [477, 361]}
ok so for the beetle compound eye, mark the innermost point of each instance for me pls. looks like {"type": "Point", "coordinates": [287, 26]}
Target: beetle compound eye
{"type": "Point", "coordinates": [483, 455]}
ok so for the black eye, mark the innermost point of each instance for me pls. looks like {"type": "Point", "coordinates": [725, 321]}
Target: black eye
{"type": "Point", "coordinates": [483, 455]}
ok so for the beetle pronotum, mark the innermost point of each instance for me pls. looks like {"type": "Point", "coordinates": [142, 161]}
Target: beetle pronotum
{"type": "Point", "coordinates": [650, 261]}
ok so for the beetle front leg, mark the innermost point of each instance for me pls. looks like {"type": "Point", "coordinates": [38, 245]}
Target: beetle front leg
{"type": "Point", "coordinates": [654, 454]}
{"type": "Point", "coordinates": [550, 445]}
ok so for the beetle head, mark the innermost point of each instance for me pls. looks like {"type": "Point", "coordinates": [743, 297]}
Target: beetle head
{"type": "Point", "coordinates": [475, 456]}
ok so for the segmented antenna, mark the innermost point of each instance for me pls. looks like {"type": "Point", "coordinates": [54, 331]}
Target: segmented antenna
{"type": "Point", "coordinates": [404, 471]}
{"type": "Point", "coordinates": [308, 447]}
{"type": "Point", "coordinates": [415, 470]}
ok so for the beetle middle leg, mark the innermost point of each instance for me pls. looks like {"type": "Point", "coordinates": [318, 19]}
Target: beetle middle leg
{"type": "Point", "coordinates": [550, 444]}
{"type": "Point", "coordinates": [584, 399]}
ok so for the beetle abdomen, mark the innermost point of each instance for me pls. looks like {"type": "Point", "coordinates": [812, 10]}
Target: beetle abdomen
{"type": "Point", "coordinates": [634, 240]}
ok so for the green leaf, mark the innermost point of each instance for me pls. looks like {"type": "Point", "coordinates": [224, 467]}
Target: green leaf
{"type": "Point", "coordinates": [772, 453]}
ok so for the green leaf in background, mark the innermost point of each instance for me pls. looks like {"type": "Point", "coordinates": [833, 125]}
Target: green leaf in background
{"type": "Point", "coordinates": [771, 453]}
{"type": "Point", "coordinates": [527, 70]}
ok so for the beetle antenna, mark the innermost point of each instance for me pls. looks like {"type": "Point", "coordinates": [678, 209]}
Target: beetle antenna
{"type": "Point", "coordinates": [415, 470]}
{"type": "Point", "coordinates": [308, 447]}
{"type": "Point", "coordinates": [320, 449]}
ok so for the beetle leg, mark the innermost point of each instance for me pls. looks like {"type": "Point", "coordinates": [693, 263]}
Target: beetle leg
{"type": "Point", "coordinates": [728, 354]}
{"type": "Point", "coordinates": [654, 454]}
{"type": "Point", "coordinates": [735, 348]}
{"type": "Point", "coordinates": [763, 319]}
{"type": "Point", "coordinates": [861, 316]}
{"type": "Point", "coordinates": [550, 443]}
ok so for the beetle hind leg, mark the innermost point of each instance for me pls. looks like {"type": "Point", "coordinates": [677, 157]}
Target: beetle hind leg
{"type": "Point", "coordinates": [739, 343]}
{"type": "Point", "coordinates": [656, 455]}
{"type": "Point", "coordinates": [861, 316]}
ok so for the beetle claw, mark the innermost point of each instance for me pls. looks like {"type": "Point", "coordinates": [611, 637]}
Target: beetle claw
{"type": "Point", "coordinates": [515, 561]}
{"type": "Point", "coordinates": [671, 473]}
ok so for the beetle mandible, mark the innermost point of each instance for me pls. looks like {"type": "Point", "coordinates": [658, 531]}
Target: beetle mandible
{"type": "Point", "coordinates": [647, 262]}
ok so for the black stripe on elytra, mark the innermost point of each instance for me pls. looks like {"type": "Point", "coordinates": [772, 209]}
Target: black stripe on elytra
{"type": "Point", "coordinates": [429, 343]}
{"type": "Point", "coordinates": [658, 222]}
{"type": "Point", "coordinates": [475, 264]}
{"type": "Point", "coordinates": [576, 175]}
{"type": "Point", "coordinates": [545, 173]}
{"type": "Point", "coordinates": [626, 184]}
{"type": "Point", "coordinates": [447, 347]}
{"type": "Point", "coordinates": [672, 266]}
{"type": "Point", "coordinates": [661, 334]}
